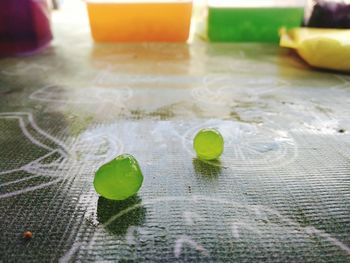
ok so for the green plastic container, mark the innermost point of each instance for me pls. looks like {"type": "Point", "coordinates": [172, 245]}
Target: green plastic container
{"type": "Point", "coordinates": [254, 21]}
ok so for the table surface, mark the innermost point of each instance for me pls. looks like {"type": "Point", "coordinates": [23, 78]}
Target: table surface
{"type": "Point", "coordinates": [279, 193]}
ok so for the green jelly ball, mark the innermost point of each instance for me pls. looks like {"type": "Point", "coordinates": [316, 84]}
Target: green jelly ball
{"type": "Point", "coordinates": [208, 144]}
{"type": "Point", "coordinates": [119, 178]}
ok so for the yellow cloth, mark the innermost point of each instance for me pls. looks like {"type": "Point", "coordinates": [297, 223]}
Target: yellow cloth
{"type": "Point", "coordinates": [322, 48]}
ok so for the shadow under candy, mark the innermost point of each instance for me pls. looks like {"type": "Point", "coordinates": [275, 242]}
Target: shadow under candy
{"type": "Point", "coordinates": [134, 215]}
{"type": "Point", "coordinates": [208, 170]}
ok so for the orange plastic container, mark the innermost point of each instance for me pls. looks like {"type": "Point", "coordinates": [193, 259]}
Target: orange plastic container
{"type": "Point", "coordinates": [140, 20]}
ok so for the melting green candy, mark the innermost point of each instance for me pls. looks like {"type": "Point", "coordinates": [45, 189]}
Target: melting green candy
{"type": "Point", "coordinates": [119, 178]}
{"type": "Point", "coordinates": [208, 144]}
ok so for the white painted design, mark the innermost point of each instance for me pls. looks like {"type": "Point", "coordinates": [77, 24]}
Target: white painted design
{"type": "Point", "coordinates": [130, 235]}
{"type": "Point", "coordinates": [192, 217]}
{"type": "Point", "coordinates": [317, 232]}
{"type": "Point", "coordinates": [36, 167]}
{"type": "Point", "coordinates": [21, 117]}
{"type": "Point", "coordinates": [70, 253]}
{"type": "Point", "coordinates": [96, 146]}
{"type": "Point", "coordinates": [224, 90]}
{"type": "Point", "coordinates": [236, 226]}
{"type": "Point", "coordinates": [235, 231]}
{"type": "Point", "coordinates": [132, 232]}
{"type": "Point", "coordinates": [245, 220]}
{"type": "Point", "coordinates": [248, 146]}
{"type": "Point", "coordinates": [107, 77]}
{"type": "Point", "coordinates": [186, 240]}
{"type": "Point", "coordinates": [87, 95]}
{"type": "Point", "coordinates": [92, 148]}
{"type": "Point", "coordinates": [25, 68]}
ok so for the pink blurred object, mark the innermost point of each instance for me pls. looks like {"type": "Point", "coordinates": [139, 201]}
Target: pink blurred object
{"type": "Point", "coordinates": [24, 26]}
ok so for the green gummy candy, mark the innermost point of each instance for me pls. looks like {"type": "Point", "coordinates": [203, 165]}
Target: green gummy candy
{"type": "Point", "coordinates": [208, 144]}
{"type": "Point", "coordinates": [119, 178]}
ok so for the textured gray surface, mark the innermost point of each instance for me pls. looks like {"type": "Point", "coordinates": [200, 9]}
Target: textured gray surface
{"type": "Point", "coordinates": [280, 193]}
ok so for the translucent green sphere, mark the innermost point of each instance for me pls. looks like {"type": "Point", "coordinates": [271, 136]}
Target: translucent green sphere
{"type": "Point", "coordinates": [208, 144]}
{"type": "Point", "coordinates": [119, 178]}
